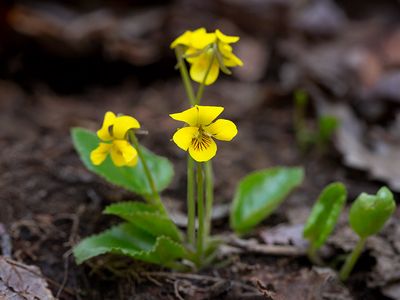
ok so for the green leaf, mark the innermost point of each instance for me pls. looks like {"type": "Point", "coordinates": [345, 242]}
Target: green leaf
{"type": "Point", "coordinates": [146, 217]}
{"type": "Point", "coordinates": [260, 193]}
{"type": "Point", "coordinates": [301, 99]}
{"type": "Point", "coordinates": [326, 127]}
{"type": "Point", "coordinates": [369, 213]}
{"type": "Point", "coordinates": [325, 214]}
{"type": "Point", "coordinates": [131, 178]}
{"type": "Point", "coordinates": [127, 239]}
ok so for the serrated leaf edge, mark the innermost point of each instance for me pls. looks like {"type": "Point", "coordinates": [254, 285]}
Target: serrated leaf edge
{"type": "Point", "coordinates": [115, 249]}
{"type": "Point", "coordinates": [158, 214]}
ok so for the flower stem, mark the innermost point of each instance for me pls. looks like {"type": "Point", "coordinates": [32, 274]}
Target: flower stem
{"type": "Point", "coordinates": [200, 212]}
{"type": "Point", "coordinates": [352, 259]}
{"type": "Point", "coordinates": [154, 193]}
{"type": "Point", "coordinates": [185, 76]}
{"type": "Point", "coordinates": [209, 196]}
{"type": "Point", "coordinates": [200, 91]}
{"type": "Point", "coordinates": [191, 205]}
{"type": "Point", "coordinates": [313, 256]}
{"type": "Point", "coordinates": [191, 230]}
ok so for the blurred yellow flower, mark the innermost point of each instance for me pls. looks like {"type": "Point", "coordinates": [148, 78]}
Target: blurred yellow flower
{"type": "Point", "coordinates": [207, 53]}
{"type": "Point", "coordinates": [113, 136]}
{"type": "Point", "coordinates": [197, 39]}
{"type": "Point", "coordinates": [197, 136]}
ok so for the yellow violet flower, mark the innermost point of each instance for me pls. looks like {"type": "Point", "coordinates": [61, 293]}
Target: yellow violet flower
{"type": "Point", "coordinates": [208, 53]}
{"type": "Point", "coordinates": [197, 39]}
{"type": "Point", "coordinates": [113, 136]}
{"type": "Point", "coordinates": [197, 136]}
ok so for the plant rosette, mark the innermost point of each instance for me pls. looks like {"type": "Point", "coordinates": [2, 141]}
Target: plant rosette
{"type": "Point", "coordinates": [147, 232]}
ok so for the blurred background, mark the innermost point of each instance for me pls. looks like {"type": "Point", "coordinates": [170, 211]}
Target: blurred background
{"type": "Point", "coordinates": [65, 63]}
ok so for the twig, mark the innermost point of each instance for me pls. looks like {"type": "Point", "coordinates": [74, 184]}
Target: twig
{"type": "Point", "coordinates": [5, 242]}
{"type": "Point", "coordinates": [156, 282]}
{"type": "Point", "coordinates": [198, 277]}
{"type": "Point", "coordinates": [72, 237]}
{"type": "Point", "coordinates": [176, 290]}
{"type": "Point", "coordinates": [241, 245]}
{"type": "Point", "coordinates": [268, 294]}
{"type": "Point", "coordinates": [66, 271]}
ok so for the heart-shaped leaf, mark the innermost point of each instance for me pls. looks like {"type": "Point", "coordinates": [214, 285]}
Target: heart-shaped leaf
{"type": "Point", "coordinates": [130, 240]}
{"type": "Point", "coordinates": [369, 213]}
{"type": "Point", "coordinates": [325, 214]}
{"type": "Point", "coordinates": [131, 178]}
{"type": "Point", "coordinates": [260, 193]}
{"type": "Point", "coordinates": [146, 217]}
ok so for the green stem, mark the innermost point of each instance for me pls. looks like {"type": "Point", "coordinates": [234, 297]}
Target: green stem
{"type": "Point", "coordinates": [313, 256]}
{"type": "Point", "coordinates": [301, 131]}
{"type": "Point", "coordinates": [154, 193]}
{"type": "Point", "coordinates": [200, 91]}
{"type": "Point", "coordinates": [191, 205]}
{"type": "Point", "coordinates": [200, 213]}
{"type": "Point", "coordinates": [185, 76]}
{"type": "Point", "coordinates": [177, 266]}
{"type": "Point", "coordinates": [209, 196]}
{"type": "Point", "coordinates": [191, 228]}
{"type": "Point", "coordinates": [352, 259]}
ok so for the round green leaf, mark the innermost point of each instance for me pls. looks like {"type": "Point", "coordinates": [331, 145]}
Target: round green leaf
{"type": "Point", "coordinates": [325, 214]}
{"type": "Point", "coordinates": [369, 213]}
{"type": "Point", "coordinates": [260, 193]}
{"type": "Point", "coordinates": [131, 178]}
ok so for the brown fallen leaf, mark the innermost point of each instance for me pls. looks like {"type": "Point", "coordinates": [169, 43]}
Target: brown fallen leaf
{"type": "Point", "coordinates": [392, 291]}
{"type": "Point", "coordinates": [129, 37]}
{"type": "Point", "coordinates": [256, 55]}
{"type": "Point", "coordinates": [384, 248]}
{"type": "Point", "coordinates": [387, 267]}
{"type": "Point", "coordinates": [391, 49]}
{"type": "Point", "coordinates": [235, 245]}
{"type": "Point", "coordinates": [379, 156]}
{"type": "Point", "coordinates": [20, 281]}
{"type": "Point", "coordinates": [320, 18]}
{"type": "Point", "coordinates": [317, 283]}
{"type": "Point", "coordinates": [345, 65]}
{"type": "Point", "coordinates": [387, 88]}
{"type": "Point", "coordinates": [179, 216]}
{"type": "Point", "coordinates": [284, 234]}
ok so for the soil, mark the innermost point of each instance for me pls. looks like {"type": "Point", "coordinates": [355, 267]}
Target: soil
{"type": "Point", "coordinates": [49, 201]}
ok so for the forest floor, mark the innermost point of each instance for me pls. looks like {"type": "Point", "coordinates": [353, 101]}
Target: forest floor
{"type": "Point", "coordinates": [50, 83]}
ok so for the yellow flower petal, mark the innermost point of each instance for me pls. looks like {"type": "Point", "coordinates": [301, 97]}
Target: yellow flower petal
{"type": "Point", "coordinates": [98, 155]}
{"type": "Point", "coordinates": [198, 115]}
{"type": "Point", "coordinates": [197, 39]}
{"type": "Point", "coordinates": [201, 39]}
{"type": "Point", "coordinates": [207, 114]}
{"type": "Point", "coordinates": [226, 38]}
{"type": "Point", "coordinates": [189, 116]}
{"type": "Point", "coordinates": [104, 132]}
{"type": "Point", "coordinates": [232, 61]}
{"type": "Point", "coordinates": [183, 137]}
{"type": "Point", "coordinates": [224, 48]}
{"type": "Point", "coordinates": [229, 59]}
{"type": "Point", "coordinates": [122, 125]}
{"type": "Point", "coordinates": [199, 67]}
{"type": "Point", "coordinates": [195, 54]}
{"type": "Point", "coordinates": [203, 150]}
{"type": "Point", "coordinates": [123, 153]}
{"type": "Point", "coordinates": [222, 129]}
{"type": "Point", "coordinates": [183, 39]}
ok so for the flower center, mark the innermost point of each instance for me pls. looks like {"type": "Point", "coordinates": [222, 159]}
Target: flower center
{"type": "Point", "coordinates": [201, 142]}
